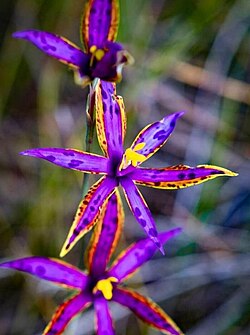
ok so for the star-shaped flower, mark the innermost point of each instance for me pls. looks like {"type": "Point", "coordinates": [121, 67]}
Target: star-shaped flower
{"type": "Point", "coordinates": [100, 284]}
{"type": "Point", "coordinates": [103, 58]}
{"type": "Point", "coordinates": [121, 167]}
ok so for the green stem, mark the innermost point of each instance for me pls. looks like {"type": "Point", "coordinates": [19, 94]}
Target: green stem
{"type": "Point", "coordinates": [90, 128]}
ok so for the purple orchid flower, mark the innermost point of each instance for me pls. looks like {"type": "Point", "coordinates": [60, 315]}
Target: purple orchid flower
{"type": "Point", "coordinates": [102, 58]}
{"type": "Point", "coordinates": [100, 284]}
{"type": "Point", "coordinates": [121, 167]}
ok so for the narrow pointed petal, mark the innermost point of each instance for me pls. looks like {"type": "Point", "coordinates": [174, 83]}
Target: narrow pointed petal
{"type": "Point", "coordinates": [66, 312]}
{"type": "Point", "coordinates": [50, 269]}
{"type": "Point", "coordinates": [88, 211]}
{"type": "Point", "coordinates": [179, 176]}
{"type": "Point", "coordinates": [100, 22]}
{"type": "Point", "coordinates": [110, 119]}
{"type": "Point", "coordinates": [140, 210]}
{"type": "Point", "coordinates": [56, 46]}
{"type": "Point", "coordinates": [71, 159]}
{"type": "Point", "coordinates": [104, 324]}
{"type": "Point", "coordinates": [147, 310]}
{"type": "Point", "coordinates": [154, 136]}
{"type": "Point", "coordinates": [137, 254]}
{"type": "Point", "coordinates": [106, 235]}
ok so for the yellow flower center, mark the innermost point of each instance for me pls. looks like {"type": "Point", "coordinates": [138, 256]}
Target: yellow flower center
{"type": "Point", "coordinates": [133, 157]}
{"type": "Point", "coordinates": [96, 53]}
{"type": "Point", "coordinates": [106, 287]}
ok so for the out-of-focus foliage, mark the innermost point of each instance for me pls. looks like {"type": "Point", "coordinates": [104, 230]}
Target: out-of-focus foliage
{"type": "Point", "coordinates": [203, 282]}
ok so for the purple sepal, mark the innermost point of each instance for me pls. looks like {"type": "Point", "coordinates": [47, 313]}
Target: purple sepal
{"type": "Point", "coordinates": [106, 235]}
{"type": "Point", "coordinates": [50, 269]}
{"type": "Point", "coordinates": [146, 310]}
{"type": "Point", "coordinates": [55, 46]}
{"type": "Point", "coordinates": [104, 325]}
{"type": "Point", "coordinates": [140, 210]}
{"type": "Point", "coordinates": [155, 135]}
{"type": "Point", "coordinates": [66, 312]}
{"type": "Point", "coordinates": [136, 255]}
{"type": "Point", "coordinates": [71, 159]}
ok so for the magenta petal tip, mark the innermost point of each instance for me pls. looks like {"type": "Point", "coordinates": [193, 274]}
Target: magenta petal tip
{"type": "Point", "coordinates": [18, 34]}
{"type": "Point", "coordinates": [22, 153]}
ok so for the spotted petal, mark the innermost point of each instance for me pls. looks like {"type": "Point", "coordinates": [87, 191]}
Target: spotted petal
{"type": "Point", "coordinates": [150, 140]}
{"type": "Point", "coordinates": [57, 47]}
{"type": "Point", "coordinates": [50, 269]}
{"type": "Point", "coordinates": [140, 210]}
{"type": "Point", "coordinates": [71, 159]}
{"type": "Point", "coordinates": [106, 235]}
{"type": "Point", "coordinates": [100, 22]}
{"type": "Point", "coordinates": [137, 254]}
{"type": "Point", "coordinates": [88, 211]}
{"type": "Point", "coordinates": [104, 325]}
{"type": "Point", "coordinates": [147, 310]}
{"type": "Point", "coordinates": [110, 120]}
{"type": "Point", "coordinates": [66, 312]}
{"type": "Point", "coordinates": [179, 176]}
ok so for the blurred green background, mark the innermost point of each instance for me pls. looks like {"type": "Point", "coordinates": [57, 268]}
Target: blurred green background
{"type": "Point", "coordinates": [189, 55]}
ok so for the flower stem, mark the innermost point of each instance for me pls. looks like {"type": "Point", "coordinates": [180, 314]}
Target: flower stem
{"type": "Point", "coordinates": [90, 128]}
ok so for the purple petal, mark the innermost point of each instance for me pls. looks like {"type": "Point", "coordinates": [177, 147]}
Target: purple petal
{"type": "Point", "coordinates": [110, 120]}
{"type": "Point", "coordinates": [104, 325]}
{"type": "Point", "coordinates": [71, 159]}
{"type": "Point", "coordinates": [50, 269]}
{"type": "Point", "coordinates": [179, 176]}
{"type": "Point", "coordinates": [140, 210]}
{"type": "Point", "coordinates": [155, 135]}
{"type": "Point", "coordinates": [146, 310]}
{"type": "Point", "coordinates": [57, 47]}
{"type": "Point", "coordinates": [88, 211]}
{"type": "Point", "coordinates": [100, 22]}
{"type": "Point", "coordinates": [66, 312]}
{"type": "Point", "coordinates": [106, 236]}
{"type": "Point", "coordinates": [137, 254]}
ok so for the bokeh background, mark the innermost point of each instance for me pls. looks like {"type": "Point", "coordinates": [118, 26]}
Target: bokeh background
{"type": "Point", "coordinates": [189, 55]}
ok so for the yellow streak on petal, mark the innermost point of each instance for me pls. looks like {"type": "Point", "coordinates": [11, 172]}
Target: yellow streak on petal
{"type": "Point", "coordinates": [106, 287]}
{"type": "Point", "coordinates": [120, 102]}
{"type": "Point", "coordinates": [139, 146]}
{"type": "Point", "coordinates": [115, 17]}
{"type": "Point", "coordinates": [100, 125]}
{"type": "Point", "coordinates": [134, 157]}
